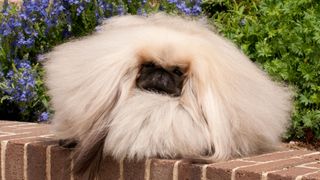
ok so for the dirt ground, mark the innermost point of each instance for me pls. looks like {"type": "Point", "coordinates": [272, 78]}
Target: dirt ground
{"type": "Point", "coordinates": [302, 145]}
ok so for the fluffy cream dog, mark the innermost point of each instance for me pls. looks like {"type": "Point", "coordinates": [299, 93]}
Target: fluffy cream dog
{"type": "Point", "coordinates": [162, 86]}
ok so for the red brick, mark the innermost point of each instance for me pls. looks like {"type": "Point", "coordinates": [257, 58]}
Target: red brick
{"type": "Point", "coordinates": [133, 170]}
{"type": "Point", "coordinates": [32, 129]}
{"type": "Point", "coordinates": [314, 176]}
{"type": "Point", "coordinates": [277, 155]}
{"type": "Point", "coordinates": [36, 160]}
{"type": "Point", "coordinates": [290, 173]}
{"type": "Point", "coordinates": [187, 171]}
{"type": "Point", "coordinates": [7, 123]}
{"type": "Point", "coordinates": [35, 133]}
{"type": "Point", "coordinates": [223, 170]}
{"type": "Point", "coordinates": [1, 160]}
{"type": "Point", "coordinates": [161, 169]}
{"type": "Point", "coordinates": [16, 136]}
{"type": "Point", "coordinates": [110, 169]}
{"type": "Point", "coordinates": [4, 134]}
{"type": "Point", "coordinates": [60, 163]}
{"type": "Point", "coordinates": [17, 125]}
{"type": "Point", "coordinates": [31, 140]}
{"type": "Point", "coordinates": [315, 165]}
{"type": "Point", "coordinates": [255, 171]}
{"type": "Point", "coordinates": [14, 159]}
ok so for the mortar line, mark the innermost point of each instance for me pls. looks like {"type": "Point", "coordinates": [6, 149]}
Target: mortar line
{"type": "Point", "coordinates": [262, 155]}
{"type": "Point", "coordinates": [147, 169]}
{"type": "Point", "coordinates": [264, 175]}
{"type": "Point", "coordinates": [71, 167]}
{"type": "Point", "coordinates": [175, 170]}
{"type": "Point", "coordinates": [25, 161]}
{"type": "Point", "coordinates": [204, 172]}
{"type": "Point", "coordinates": [121, 169]}
{"type": "Point", "coordinates": [48, 162]}
{"type": "Point", "coordinates": [301, 176]}
{"type": "Point", "coordinates": [23, 124]}
{"type": "Point", "coordinates": [3, 159]}
{"type": "Point", "coordinates": [305, 165]}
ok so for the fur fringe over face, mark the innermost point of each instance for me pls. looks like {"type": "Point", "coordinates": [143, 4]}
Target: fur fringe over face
{"type": "Point", "coordinates": [228, 107]}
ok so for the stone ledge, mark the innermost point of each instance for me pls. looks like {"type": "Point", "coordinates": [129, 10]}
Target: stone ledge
{"type": "Point", "coordinates": [29, 152]}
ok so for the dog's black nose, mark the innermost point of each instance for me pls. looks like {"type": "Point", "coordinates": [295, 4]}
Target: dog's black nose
{"type": "Point", "coordinates": [158, 80]}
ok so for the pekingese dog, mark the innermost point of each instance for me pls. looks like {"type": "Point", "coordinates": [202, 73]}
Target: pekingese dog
{"type": "Point", "coordinates": [162, 86]}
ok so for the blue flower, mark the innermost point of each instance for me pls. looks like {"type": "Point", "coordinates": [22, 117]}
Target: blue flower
{"type": "Point", "coordinates": [72, 2]}
{"type": "Point", "coordinates": [13, 23]}
{"type": "Point", "coordinates": [44, 116]}
{"type": "Point", "coordinates": [79, 10]}
{"type": "Point", "coordinates": [10, 74]}
{"type": "Point", "coordinates": [25, 65]}
{"type": "Point", "coordinates": [60, 8]}
{"type": "Point", "coordinates": [172, 1]}
{"type": "Point", "coordinates": [5, 29]}
{"type": "Point", "coordinates": [44, 4]}
{"type": "Point", "coordinates": [109, 7]}
{"type": "Point", "coordinates": [139, 11]}
{"type": "Point", "coordinates": [243, 22]}
{"type": "Point", "coordinates": [5, 13]}
{"type": "Point", "coordinates": [28, 30]}
{"type": "Point", "coordinates": [23, 16]}
{"type": "Point", "coordinates": [41, 58]}
{"type": "Point", "coordinates": [120, 10]}
{"type": "Point", "coordinates": [22, 97]}
{"type": "Point", "coordinates": [196, 10]}
{"type": "Point", "coordinates": [192, 8]}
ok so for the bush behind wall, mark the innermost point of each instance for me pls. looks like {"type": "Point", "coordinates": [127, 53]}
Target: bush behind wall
{"type": "Point", "coordinates": [284, 38]}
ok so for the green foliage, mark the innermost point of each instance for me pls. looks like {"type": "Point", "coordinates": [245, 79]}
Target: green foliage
{"type": "Point", "coordinates": [284, 38]}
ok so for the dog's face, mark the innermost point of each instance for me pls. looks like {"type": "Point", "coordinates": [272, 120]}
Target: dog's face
{"type": "Point", "coordinates": [161, 79]}
{"type": "Point", "coordinates": [154, 113]}
{"type": "Point", "coordinates": [159, 73]}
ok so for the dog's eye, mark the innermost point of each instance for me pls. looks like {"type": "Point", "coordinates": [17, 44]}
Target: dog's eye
{"type": "Point", "coordinates": [177, 71]}
{"type": "Point", "coordinates": [149, 65]}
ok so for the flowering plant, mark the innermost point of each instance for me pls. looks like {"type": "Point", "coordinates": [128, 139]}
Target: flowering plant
{"type": "Point", "coordinates": [30, 28]}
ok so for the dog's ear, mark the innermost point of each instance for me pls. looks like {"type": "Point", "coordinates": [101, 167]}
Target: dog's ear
{"type": "Point", "coordinates": [86, 81]}
{"type": "Point", "coordinates": [244, 109]}
{"type": "Point", "coordinates": [85, 88]}
{"type": "Point", "coordinates": [83, 91]}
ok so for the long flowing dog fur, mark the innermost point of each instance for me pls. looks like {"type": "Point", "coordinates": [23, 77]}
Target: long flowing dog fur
{"type": "Point", "coordinates": [228, 106]}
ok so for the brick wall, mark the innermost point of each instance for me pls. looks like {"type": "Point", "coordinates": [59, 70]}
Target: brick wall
{"type": "Point", "coordinates": [28, 152]}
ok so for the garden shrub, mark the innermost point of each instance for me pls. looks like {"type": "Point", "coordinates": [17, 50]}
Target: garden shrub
{"type": "Point", "coordinates": [284, 38]}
